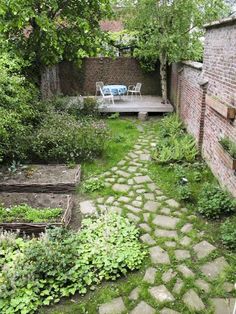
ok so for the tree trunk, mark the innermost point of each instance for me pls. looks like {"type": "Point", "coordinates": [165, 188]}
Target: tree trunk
{"type": "Point", "coordinates": [163, 73]}
{"type": "Point", "coordinates": [50, 82]}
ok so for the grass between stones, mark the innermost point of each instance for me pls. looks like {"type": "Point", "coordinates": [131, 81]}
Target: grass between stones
{"type": "Point", "coordinates": [165, 179]}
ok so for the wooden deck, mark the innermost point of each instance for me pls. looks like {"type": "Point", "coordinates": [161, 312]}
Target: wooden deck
{"type": "Point", "coordinates": [135, 104]}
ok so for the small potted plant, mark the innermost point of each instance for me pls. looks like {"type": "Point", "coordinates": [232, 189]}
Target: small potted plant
{"type": "Point", "coordinates": [229, 152]}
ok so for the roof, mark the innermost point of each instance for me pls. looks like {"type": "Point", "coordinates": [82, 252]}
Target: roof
{"type": "Point", "coordinates": [227, 21]}
{"type": "Point", "coordinates": [111, 26]}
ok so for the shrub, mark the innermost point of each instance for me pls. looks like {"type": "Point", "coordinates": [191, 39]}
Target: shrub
{"type": "Point", "coordinates": [214, 202]}
{"type": "Point", "coordinates": [25, 213]}
{"type": "Point", "coordinates": [63, 139]}
{"type": "Point", "coordinates": [14, 136]}
{"type": "Point", "coordinates": [228, 233]}
{"type": "Point", "coordinates": [170, 126]}
{"type": "Point", "coordinates": [229, 146]}
{"type": "Point", "coordinates": [40, 271]}
{"type": "Point", "coordinates": [184, 193]}
{"type": "Point", "coordinates": [93, 184]}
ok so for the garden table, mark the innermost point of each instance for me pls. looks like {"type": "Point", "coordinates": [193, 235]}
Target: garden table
{"type": "Point", "coordinates": [115, 90]}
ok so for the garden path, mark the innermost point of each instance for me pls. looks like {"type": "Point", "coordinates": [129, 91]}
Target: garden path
{"type": "Point", "coordinates": [183, 266]}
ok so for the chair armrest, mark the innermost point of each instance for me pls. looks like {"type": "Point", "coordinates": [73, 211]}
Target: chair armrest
{"type": "Point", "coordinates": [131, 87]}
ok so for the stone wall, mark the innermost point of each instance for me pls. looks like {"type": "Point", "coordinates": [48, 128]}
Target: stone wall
{"type": "Point", "coordinates": [196, 90]}
{"type": "Point", "coordinates": [123, 70]}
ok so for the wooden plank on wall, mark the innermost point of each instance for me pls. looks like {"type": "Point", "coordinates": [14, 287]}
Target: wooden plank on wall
{"type": "Point", "coordinates": [225, 110]}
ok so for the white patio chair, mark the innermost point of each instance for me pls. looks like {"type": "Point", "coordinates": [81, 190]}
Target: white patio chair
{"type": "Point", "coordinates": [109, 96]}
{"type": "Point", "coordinates": [98, 86]}
{"type": "Point", "coordinates": [135, 89]}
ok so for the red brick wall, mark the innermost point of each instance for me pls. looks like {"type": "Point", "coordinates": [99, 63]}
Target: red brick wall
{"type": "Point", "coordinates": [208, 126]}
{"type": "Point", "coordinates": [123, 70]}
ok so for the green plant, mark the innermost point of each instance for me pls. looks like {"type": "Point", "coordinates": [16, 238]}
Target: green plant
{"type": "Point", "coordinates": [93, 184]}
{"type": "Point", "coordinates": [114, 116]}
{"type": "Point", "coordinates": [214, 202]}
{"type": "Point", "coordinates": [41, 271]}
{"type": "Point", "coordinates": [184, 193]}
{"type": "Point", "coordinates": [170, 126]}
{"type": "Point", "coordinates": [64, 139]}
{"type": "Point", "coordinates": [229, 146]}
{"type": "Point", "coordinates": [228, 233]}
{"type": "Point", "coordinates": [25, 213]}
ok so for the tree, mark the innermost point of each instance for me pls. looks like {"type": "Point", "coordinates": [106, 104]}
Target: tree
{"type": "Point", "coordinates": [169, 30]}
{"type": "Point", "coordinates": [49, 31]}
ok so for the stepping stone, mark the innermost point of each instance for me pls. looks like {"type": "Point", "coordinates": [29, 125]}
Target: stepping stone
{"type": "Point", "coordinates": [152, 186]}
{"type": "Point", "coordinates": [165, 211]}
{"type": "Point", "coordinates": [137, 203]}
{"type": "Point", "coordinates": [178, 286]}
{"type": "Point", "coordinates": [139, 198]}
{"type": "Point", "coordinates": [186, 272]}
{"type": "Point", "coordinates": [145, 157]}
{"type": "Point", "coordinates": [145, 227]}
{"type": "Point", "coordinates": [168, 311]}
{"type": "Point", "coordinates": [187, 228]}
{"type": "Point", "coordinates": [150, 275]}
{"type": "Point", "coordinates": [213, 269]}
{"type": "Point", "coordinates": [182, 254]}
{"type": "Point", "coordinates": [168, 275]}
{"type": "Point", "coordinates": [228, 286]}
{"type": "Point", "coordinates": [146, 238]}
{"type": "Point", "coordinates": [143, 308]}
{"type": "Point", "coordinates": [159, 256]}
{"type": "Point", "coordinates": [170, 244]}
{"type": "Point", "coordinates": [132, 169]}
{"type": "Point", "coordinates": [123, 173]}
{"type": "Point", "coordinates": [124, 199]}
{"type": "Point", "coordinates": [131, 194]}
{"type": "Point", "coordinates": [121, 163]}
{"type": "Point", "coordinates": [203, 285]}
{"type": "Point", "coordinates": [114, 168]}
{"type": "Point", "coordinates": [87, 208]}
{"type": "Point", "coordinates": [100, 200]}
{"type": "Point", "coordinates": [161, 294]}
{"type": "Point", "coordinates": [159, 192]}
{"type": "Point", "coordinates": [203, 249]}
{"type": "Point", "coordinates": [149, 196]}
{"type": "Point", "coordinates": [146, 216]}
{"type": "Point", "coordinates": [142, 179]}
{"type": "Point", "coordinates": [166, 233]}
{"type": "Point", "coordinates": [165, 221]}
{"type": "Point", "coordinates": [116, 306]}
{"type": "Point", "coordinates": [185, 241]}
{"type": "Point", "coordinates": [141, 191]}
{"type": "Point", "coordinates": [110, 200]}
{"type": "Point", "coordinates": [121, 180]}
{"type": "Point", "coordinates": [112, 180]}
{"type": "Point", "coordinates": [223, 306]}
{"type": "Point", "coordinates": [133, 209]}
{"type": "Point", "coordinates": [132, 155]}
{"type": "Point", "coordinates": [172, 203]}
{"type": "Point", "coordinates": [151, 206]}
{"type": "Point", "coordinates": [115, 209]}
{"type": "Point", "coordinates": [130, 181]}
{"type": "Point", "coordinates": [134, 294]}
{"type": "Point", "coordinates": [133, 217]}
{"type": "Point", "coordinates": [193, 302]}
{"type": "Point", "coordinates": [120, 187]}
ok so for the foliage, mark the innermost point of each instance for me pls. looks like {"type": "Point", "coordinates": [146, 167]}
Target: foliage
{"type": "Point", "coordinates": [25, 213]}
{"type": "Point", "coordinates": [13, 136]}
{"type": "Point", "coordinates": [184, 193]}
{"type": "Point", "coordinates": [40, 271]}
{"type": "Point", "coordinates": [170, 31]}
{"type": "Point", "coordinates": [46, 32]}
{"type": "Point", "coordinates": [173, 143]}
{"type": "Point", "coordinates": [93, 184]}
{"type": "Point", "coordinates": [114, 116]}
{"type": "Point", "coordinates": [228, 233]}
{"type": "Point", "coordinates": [214, 202]}
{"type": "Point", "coordinates": [62, 138]}
{"type": "Point", "coordinates": [229, 146]}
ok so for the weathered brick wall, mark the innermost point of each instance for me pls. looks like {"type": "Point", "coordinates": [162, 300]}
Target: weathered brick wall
{"type": "Point", "coordinates": [123, 70]}
{"type": "Point", "coordinates": [189, 88]}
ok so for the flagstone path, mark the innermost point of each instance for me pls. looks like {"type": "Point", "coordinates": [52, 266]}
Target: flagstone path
{"type": "Point", "coordinates": [182, 264]}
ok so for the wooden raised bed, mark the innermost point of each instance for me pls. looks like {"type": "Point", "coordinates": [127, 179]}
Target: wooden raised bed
{"type": "Point", "coordinates": [228, 161]}
{"type": "Point", "coordinates": [37, 200]}
{"type": "Point", "coordinates": [223, 109]}
{"type": "Point", "coordinates": [41, 179]}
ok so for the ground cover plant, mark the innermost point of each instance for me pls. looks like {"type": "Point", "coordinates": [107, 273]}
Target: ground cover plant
{"type": "Point", "coordinates": [25, 213]}
{"type": "Point", "coordinates": [228, 233]}
{"type": "Point", "coordinates": [229, 146]}
{"type": "Point", "coordinates": [40, 271]}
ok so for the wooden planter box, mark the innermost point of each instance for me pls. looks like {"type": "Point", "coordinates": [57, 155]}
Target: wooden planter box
{"type": "Point", "coordinates": [41, 179]}
{"type": "Point", "coordinates": [63, 201]}
{"type": "Point", "coordinates": [225, 110]}
{"type": "Point", "coordinates": [228, 161]}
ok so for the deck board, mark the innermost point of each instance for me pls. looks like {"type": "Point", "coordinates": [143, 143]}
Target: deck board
{"type": "Point", "coordinates": [136, 104]}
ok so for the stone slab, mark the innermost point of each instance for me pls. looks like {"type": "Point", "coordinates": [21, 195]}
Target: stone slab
{"type": "Point", "coordinates": [123, 188]}
{"type": "Point", "coordinates": [150, 275]}
{"type": "Point", "coordinates": [193, 301]}
{"type": "Point", "coordinates": [186, 272]}
{"type": "Point", "coordinates": [213, 269]}
{"type": "Point", "coordinates": [182, 254]}
{"type": "Point", "coordinates": [151, 206]}
{"type": "Point", "coordinates": [166, 221]}
{"type": "Point", "coordinates": [116, 306]}
{"type": "Point", "coordinates": [87, 208]}
{"type": "Point", "coordinates": [159, 256]}
{"type": "Point", "coordinates": [223, 306]}
{"type": "Point", "coordinates": [203, 249]}
{"type": "Point", "coordinates": [142, 179]}
{"type": "Point", "coordinates": [146, 238]}
{"type": "Point", "coordinates": [161, 294]}
{"type": "Point", "coordinates": [166, 233]}
{"type": "Point", "coordinates": [143, 308]}
{"type": "Point", "coordinates": [134, 294]}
